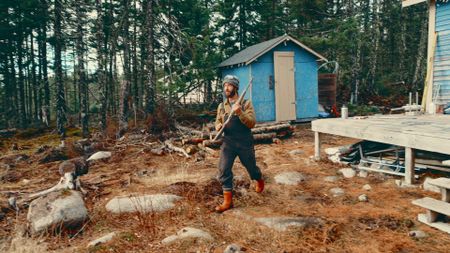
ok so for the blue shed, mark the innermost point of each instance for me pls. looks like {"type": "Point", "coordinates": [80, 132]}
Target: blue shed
{"type": "Point", "coordinates": [285, 78]}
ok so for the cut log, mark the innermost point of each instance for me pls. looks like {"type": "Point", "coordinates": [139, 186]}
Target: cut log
{"type": "Point", "coordinates": [172, 147]}
{"type": "Point", "coordinates": [191, 149]}
{"type": "Point", "coordinates": [189, 130]}
{"type": "Point", "coordinates": [264, 137]}
{"type": "Point", "coordinates": [194, 141]}
{"type": "Point", "coordinates": [272, 128]}
{"type": "Point", "coordinates": [258, 138]}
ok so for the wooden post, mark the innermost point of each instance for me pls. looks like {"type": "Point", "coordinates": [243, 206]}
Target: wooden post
{"type": "Point", "coordinates": [445, 195]}
{"type": "Point", "coordinates": [317, 146]}
{"type": "Point", "coordinates": [409, 165]}
{"type": "Point", "coordinates": [431, 216]}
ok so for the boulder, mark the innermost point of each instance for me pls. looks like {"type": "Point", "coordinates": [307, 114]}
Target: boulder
{"type": "Point", "coordinates": [289, 178]}
{"type": "Point", "coordinates": [188, 233]}
{"type": "Point", "coordinates": [61, 209]}
{"type": "Point", "coordinates": [145, 203]}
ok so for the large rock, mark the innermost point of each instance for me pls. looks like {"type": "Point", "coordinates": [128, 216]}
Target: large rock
{"type": "Point", "coordinates": [283, 223]}
{"type": "Point", "coordinates": [289, 178]}
{"type": "Point", "coordinates": [100, 155]}
{"type": "Point", "coordinates": [363, 198]}
{"type": "Point", "coordinates": [348, 172]}
{"type": "Point", "coordinates": [367, 187]}
{"type": "Point", "coordinates": [146, 203]}
{"type": "Point", "coordinates": [188, 233]}
{"type": "Point", "coordinates": [233, 248]}
{"type": "Point", "coordinates": [296, 152]}
{"type": "Point", "coordinates": [337, 191]}
{"type": "Point", "coordinates": [63, 209]}
{"type": "Point", "coordinates": [104, 239]}
{"type": "Point", "coordinates": [417, 234]}
{"type": "Point", "coordinates": [331, 179]}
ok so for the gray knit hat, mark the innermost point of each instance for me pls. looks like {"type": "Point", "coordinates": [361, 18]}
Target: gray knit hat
{"type": "Point", "coordinates": [233, 80]}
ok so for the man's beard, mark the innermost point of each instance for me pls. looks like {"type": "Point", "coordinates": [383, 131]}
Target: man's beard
{"type": "Point", "coordinates": [231, 94]}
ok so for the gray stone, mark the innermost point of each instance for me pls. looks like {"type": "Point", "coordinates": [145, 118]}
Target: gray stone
{"type": "Point", "coordinates": [429, 187]}
{"type": "Point", "coordinates": [331, 179]}
{"type": "Point", "coordinates": [348, 172]}
{"type": "Point", "coordinates": [283, 223]}
{"type": "Point", "coordinates": [417, 234]}
{"type": "Point", "coordinates": [363, 198]}
{"type": "Point", "coordinates": [233, 248]}
{"type": "Point", "coordinates": [99, 156]}
{"type": "Point", "coordinates": [146, 203]}
{"type": "Point", "coordinates": [103, 239]}
{"type": "Point", "coordinates": [188, 233]}
{"type": "Point", "coordinates": [296, 152]}
{"type": "Point", "coordinates": [289, 178]}
{"type": "Point", "coordinates": [337, 191]}
{"type": "Point", "coordinates": [57, 209]}
{"type": "Point", "coordinates": [363, 173]}
{"type": "Point", "coordinates": [367, 187]}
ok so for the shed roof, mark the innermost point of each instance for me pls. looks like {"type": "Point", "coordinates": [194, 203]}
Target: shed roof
{"type": "Point", "coordinates": [251, 53]}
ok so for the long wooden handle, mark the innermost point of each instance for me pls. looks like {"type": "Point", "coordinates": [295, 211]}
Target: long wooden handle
{"type": "Point", "coordinates": [232, 112]}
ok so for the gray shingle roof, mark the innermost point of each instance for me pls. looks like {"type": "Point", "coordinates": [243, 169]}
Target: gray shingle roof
{"type": "Point", "coordinates": [251, 53]}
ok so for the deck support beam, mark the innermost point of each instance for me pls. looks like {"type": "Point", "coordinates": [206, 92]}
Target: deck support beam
{"type": "Point", "coordinates": [409, 165]}
{"type": "Point", "coordinates": [317, 146]}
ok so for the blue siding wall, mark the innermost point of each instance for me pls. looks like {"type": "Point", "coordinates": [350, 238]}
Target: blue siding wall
{"type": "Point", "coordinates": [441, 75]}
{"type": "Point", "coordinates": [263, 97]}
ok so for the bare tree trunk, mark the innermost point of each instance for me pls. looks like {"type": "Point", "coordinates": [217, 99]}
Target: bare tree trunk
{"type": "Point", "coordinates": [420, 53]}
{"type": "Point", "coordinates": [36, 86]}
{"type": "Point", "coordinates": [22, 105]}
{"type": "Point", "coordinates": [101, 64]}
{"type": "Point", "coordinates": [151, 78]}
{"type": "Point", "coordinates": [44, 65]}
{"type": "Point", "coordinates": [60, 97]}
{"type": "Point", "coordinates": [376, 37]}
{"type": "Point", "coordinates": [125, 87]}
{"type": "Point", "coordinates": [83, 89]}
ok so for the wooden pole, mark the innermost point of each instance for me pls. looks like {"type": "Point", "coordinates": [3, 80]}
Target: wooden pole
{"type": "Point", "coordinates": [317, 146]}
{"type": "Point", "coordinates": [409, 165]}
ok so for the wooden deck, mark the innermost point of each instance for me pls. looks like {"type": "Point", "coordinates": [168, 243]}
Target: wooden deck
{"type": "Point", "coordinates": [425, 132]}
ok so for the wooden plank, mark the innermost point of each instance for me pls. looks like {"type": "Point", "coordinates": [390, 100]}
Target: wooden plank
{"type": "Point", "coordinates": [409, 165]}
{"type": "Point", "coordinates": [428, 96]}
{"type": "Point", "coordinates": [433, 205]}
{"type": "Point", "coordinates": [381, 171]}
{"type": "Point", "coordinates": [445, 195]}
{"type": "Point", "coordinates": [438, 225]}
{"type": "Point", "coordinates": [441, 182]}
{"type": "Point", "coordinates": [407, 3]}
{"type": "Point", "coordinates": [432, 133]}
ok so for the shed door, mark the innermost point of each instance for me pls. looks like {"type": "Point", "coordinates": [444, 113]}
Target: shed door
{"type": "Point", "coordinates": [284, 86]}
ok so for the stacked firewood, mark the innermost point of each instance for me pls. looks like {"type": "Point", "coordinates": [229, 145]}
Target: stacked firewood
{"type": "Point", "coordinates": [262, 133]}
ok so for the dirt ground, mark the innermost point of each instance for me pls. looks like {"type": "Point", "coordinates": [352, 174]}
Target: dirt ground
{"type": "Point", "coordinates": [379, 225]}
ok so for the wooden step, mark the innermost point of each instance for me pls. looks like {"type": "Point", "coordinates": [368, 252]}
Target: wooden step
{"type": "Point", "coordinates": [433, 205]}
{"type": "Point", "coordinates": [442, 182]}
{"type": "Point", "coordinates": [439, 225]}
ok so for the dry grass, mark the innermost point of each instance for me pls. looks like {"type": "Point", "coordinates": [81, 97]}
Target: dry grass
{"type": "Point", "coordinates": [380, 225]}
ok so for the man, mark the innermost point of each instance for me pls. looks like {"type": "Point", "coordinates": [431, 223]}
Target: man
{"type": "Point", "coordinates": [237, 140]}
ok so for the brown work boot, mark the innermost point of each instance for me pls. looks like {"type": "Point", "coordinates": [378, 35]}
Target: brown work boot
{"type": "Point", "coordinates": [259, 185]}
{"type": "Point", "coordinates": [227, 202]}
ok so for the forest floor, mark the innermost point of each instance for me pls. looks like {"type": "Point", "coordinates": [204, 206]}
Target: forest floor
{"type": "Point", "coordinates": [347, 225]}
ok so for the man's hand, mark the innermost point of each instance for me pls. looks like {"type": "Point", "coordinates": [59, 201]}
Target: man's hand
{"type": "Point", "coordinates": [237, 109]}
{"type": "Point", "coordinates": [218, 126]}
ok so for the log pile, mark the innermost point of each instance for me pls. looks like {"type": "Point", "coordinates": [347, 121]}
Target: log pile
{"type": "Point", "coordinates": [262, 133]}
